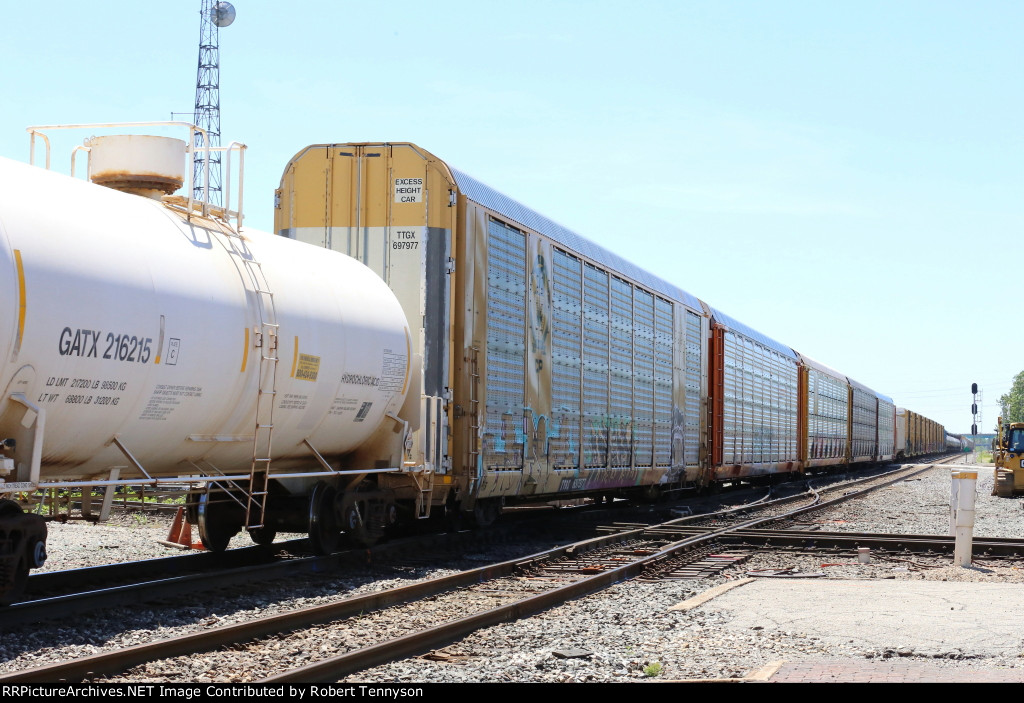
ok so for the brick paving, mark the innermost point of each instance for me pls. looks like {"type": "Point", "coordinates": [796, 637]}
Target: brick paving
{"type": "Point", "coordinates": [887, 671]}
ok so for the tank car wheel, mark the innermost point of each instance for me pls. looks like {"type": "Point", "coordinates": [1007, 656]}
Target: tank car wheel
{"type": "Point", "coordinates": [35, 553]}
{"type": "Point", "coordinates": [366, 512]}
{"type": "Point", "coordinates": [324, 536]}
{"type": "Point", "coordinates": [354, 517]}
{"type": "Point", "coordinates": [8, 508]}
{"type": "Point", "coordinates": [215, 527]}
{"type": "Point", "coordinates": [263, 536]}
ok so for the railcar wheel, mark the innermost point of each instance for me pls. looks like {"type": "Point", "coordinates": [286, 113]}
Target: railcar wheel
{"type": "Point", "coordinates": [35, 553]}
{"type": "Point", "coordinates": [215, 525]}
{"type": "Point", "coordinates": [651, 494]}
{"type": "Point", "coordinates": [324, 536]}
{"type": "Point", "coordinates": [367, 512]}
{"type": "Point", "coordinates": [263, 536]}
{"type": "Point", "coordinates": [352, 520]}
{"type": "Point", "coordinates": [486, 512]}
{"type": "Point", "coordinates": [19, 560]}
{"type": "Point", "coordinates": [355, 519]}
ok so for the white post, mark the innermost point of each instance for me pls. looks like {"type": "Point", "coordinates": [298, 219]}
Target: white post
{"type": "Point", "coordinates": [964, 516]}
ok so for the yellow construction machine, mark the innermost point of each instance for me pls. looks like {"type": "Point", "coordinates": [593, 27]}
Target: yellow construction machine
{"type": "Point", "coordinates": [1008, 456]}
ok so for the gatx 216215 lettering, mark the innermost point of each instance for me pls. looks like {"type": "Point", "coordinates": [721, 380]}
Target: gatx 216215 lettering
{"type": "Point", "coordinates": [121, 347]}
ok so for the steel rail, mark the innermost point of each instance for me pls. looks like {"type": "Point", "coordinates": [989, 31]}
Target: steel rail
{"type": "Point", "coordinates": [108, 663]}
{"type": "Point", "coordinates": [333, 668]}
{"type": "Point", "coordinates": [235, 572]}
{"type": "Point", "coordinates": [118, 584]}
{"type": "Point", "coordinates": [918, 544]}
{"type": "Point", "coordinates": [49, 581]}
{"type": "Point", "coordinates": [117, 661]}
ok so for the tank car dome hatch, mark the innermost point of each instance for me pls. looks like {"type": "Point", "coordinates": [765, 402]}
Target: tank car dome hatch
{"type": "Point", "coordinates": [141, 164]}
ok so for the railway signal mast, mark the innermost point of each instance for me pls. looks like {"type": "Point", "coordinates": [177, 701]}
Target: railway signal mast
{"type": "Point", "coordinates": [975, 415]}
{"type": "Point", "coordinates": [213, 16]}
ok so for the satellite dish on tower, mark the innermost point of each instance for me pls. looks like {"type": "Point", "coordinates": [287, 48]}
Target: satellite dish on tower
{"type": "Point", "coordinates": [223, 14]}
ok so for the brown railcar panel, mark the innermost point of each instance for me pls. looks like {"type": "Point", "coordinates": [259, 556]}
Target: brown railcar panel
{"type": "Point", "coordinates": [716, 391]}
{"type": "Point", "coordinates": [803, 405]}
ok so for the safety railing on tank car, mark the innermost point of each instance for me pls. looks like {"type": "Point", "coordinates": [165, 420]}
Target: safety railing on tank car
{"type": "Point", "coordinates": [224, 212]}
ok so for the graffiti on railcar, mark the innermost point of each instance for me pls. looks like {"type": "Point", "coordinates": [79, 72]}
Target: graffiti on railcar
{"type": "Point", "coordinates": [602, 479]}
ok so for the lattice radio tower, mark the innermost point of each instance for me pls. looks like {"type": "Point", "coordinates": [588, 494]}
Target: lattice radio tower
{"type": "Point", "coordinates": [213, 16]}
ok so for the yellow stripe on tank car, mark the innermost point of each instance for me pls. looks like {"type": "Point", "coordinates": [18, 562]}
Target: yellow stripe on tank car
{"type": "Point", "coordinates": [245, 351]}
{"type": "Point", "coordinates": [160, 344]}
{"type": "Point", "coordinates": [295, 357]}
{"type": "Point", "coordinates": [21, 302]}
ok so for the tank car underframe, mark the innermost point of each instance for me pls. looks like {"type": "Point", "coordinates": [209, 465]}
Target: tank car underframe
{"type": "Point", "coordinates": [351, 504]}
{"type": "Point", "coordinates": [360, 502]}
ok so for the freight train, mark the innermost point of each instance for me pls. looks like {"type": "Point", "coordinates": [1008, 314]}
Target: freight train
{"type": "Point", "coordinates": [958, 443]}
{"type": "Point", "coordinates": [428, 346]}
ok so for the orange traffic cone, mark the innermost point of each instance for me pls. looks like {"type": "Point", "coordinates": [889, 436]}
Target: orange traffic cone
{"type": "Point", "coordinates": [180, 535]}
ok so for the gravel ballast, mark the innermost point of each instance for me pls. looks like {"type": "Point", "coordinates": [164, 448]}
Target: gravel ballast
{"type": "Point", "coordinates": [626, 633]}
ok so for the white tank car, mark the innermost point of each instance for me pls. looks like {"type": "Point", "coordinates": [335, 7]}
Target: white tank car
{"type": "Point", "coordinates": [122, 319]}
{"type": "Point", "coordinates": [138, 344]}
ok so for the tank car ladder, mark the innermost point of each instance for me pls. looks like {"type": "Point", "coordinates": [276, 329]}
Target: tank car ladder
{"type": "Point", "coordinates": [266, 333]}
{"type": "Point", "coordinates": [266, 342]}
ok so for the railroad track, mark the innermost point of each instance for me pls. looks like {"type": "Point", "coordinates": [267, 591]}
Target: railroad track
{"type": "Point", "coordinates": [497, 593]}
{"type": "Point", "coordinates": [926, 545]}
{"type": "Point", "coordinates": [61, 594]}
{"type": "Point", "coordinates": [724, 519]}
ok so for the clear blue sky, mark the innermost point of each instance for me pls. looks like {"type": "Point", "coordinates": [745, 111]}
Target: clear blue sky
{"type": "Point", "coordinates": [846, 177]}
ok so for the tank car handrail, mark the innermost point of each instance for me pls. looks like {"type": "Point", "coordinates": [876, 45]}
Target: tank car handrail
{"type": "Point", "coordinates": [240, 147]}
{"type": "Point", "coordinates": [32, 147]}
{"type": "Point", "coordinates": [74, 153]}
{"type": "Point", "coordinates": [190, 150]}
